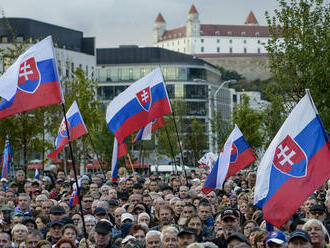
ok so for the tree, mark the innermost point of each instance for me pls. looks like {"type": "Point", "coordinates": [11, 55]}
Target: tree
{"type": "Point", "coordinates": [299, 52]}
{"type": "Point", "coordinates": [195, 141]}
{"type": "Point", "coordinates": [228, 74]}
{"type": "Point", "coordinates": [221, 128]}
{"type": "Point", "coordinates": [249, 122]}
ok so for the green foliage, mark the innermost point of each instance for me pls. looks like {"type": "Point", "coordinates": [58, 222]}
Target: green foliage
{"type": "Point", "coordinates": [229, 75]}
{"type": "Point", "coordinates": [221, 128]}
{"type": "Point", "coordinates": [249, 122]}
{"type": "Point", "coordinates": [299, 52]}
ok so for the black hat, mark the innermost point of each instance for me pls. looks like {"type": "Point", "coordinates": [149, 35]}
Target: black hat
{"type": "Point", "coordinates": [99, 211]}
{"type": "Point", "coordinates": [185, 230]}
{"type": "Point", "coordinates": [55, 222]}
{"type": "Point", "coordinates": [137, 186]}
{"type": "Point", "coordinates": [229, 212]}
{"type": "Point", "coordinates": [35, 183]}
{"type": "Point", "coordinates": [60, 180]}
{"type": "Point", "coordinates": [103, 227]}
{"type": "Point", "coordinates": [317, 208]}
{"type": "Point", "coordinates": [57, 210]}
{"type": "Point", "coordinates": [237, 235]}
{"type": "Point", "coordinates": [166, 187]}
{"type": "Point", "coordinates": [113, 202]}
{"type": "Point", "coordinates": [300, 234]}
{"type": "Point", "coordinates": [27, 219]}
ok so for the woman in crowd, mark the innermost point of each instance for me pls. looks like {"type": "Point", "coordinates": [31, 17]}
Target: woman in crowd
{"type": "Point", "coordinates": [18, 234]}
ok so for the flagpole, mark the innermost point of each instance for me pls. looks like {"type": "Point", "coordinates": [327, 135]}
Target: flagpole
{"type": "Point", "coordinates": [172, 152]}
{"type": "Point", "coordinates": [130, 161]}
{"type": "Point", "coordinates": [74, 169]}
{"type": "Point", "coordinates": [97, 156]}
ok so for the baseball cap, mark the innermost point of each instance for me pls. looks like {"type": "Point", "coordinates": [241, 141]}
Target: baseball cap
{"type": "Point", "coordinates": [103, 227]}
{"type": "Point", "coordinates": [7, 208]}
{"type": "Point", "coordinates": [229, 212]}
{"type": "Point", "coordinates": [55, 222]}
{"type": "Point", "coordinates": [35, 182]}
{"type": "Point", "coordinates": [127, 216]}
{"type": "Point", "coordinates": [317, 208]}
{"type": "Point", "coordinates": [46, 179]}
{"type": "Point", "coordinates": [4, 180]}
{"type": "Point", "coordinates": [60, 180]}
{"type": "Point", "coordinates": [99, 211]}
{"type": "Point", "coordinates": [186, 230]}
{"type": "Point", "coordinates": [12, 184]}
{"type": "Point", "coordinates": [113, 202]}
{"type": "Point", "coordinates": [300, 234]}
{"type": "Point", "coordinates": [237, 235]}
{"type": "Point", "coordinates": [276, 237]}
{"type": "Point", "coordinates": [127, 238]}
{"type": "Point", "coordinates": [85, 177]}
{"type": "Point", "coordinates": [57, 210]}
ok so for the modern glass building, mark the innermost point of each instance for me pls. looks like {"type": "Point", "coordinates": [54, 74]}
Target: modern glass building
{"type": "Point", "coordinates": [187, 78]}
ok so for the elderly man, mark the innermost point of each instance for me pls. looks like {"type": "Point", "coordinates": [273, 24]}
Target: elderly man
{"type": "Point", "coordinates": [299, 239]}
{"type": "Point", "coordinates": [153, 239]}
{"type": "Point", "coordinates": [169, 237]}
{"type": "Point", "coordinates": [317, 232]}
{"type": "Point", "coordinates": [103, 234]}
{"type": "Point", "coordinates": [32, 239]}
{"type": "Point", "coordinates": [276, 239]}
{"type": "Point", "coordinates": [166, 217]}
{"type": "Point", "coordinates": [5, 241]}
{"type": "Point", "coordinates": [186, 236]}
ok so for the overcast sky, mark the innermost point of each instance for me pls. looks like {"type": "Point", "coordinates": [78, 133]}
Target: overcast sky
{"type": "Point", "coordinates": [128, 22]}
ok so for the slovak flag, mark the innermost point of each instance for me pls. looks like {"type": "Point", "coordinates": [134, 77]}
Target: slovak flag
{"type": "Point", "coordinates": [236, 154]}
{"type": "Point", "coordinates": [36, 174]}
{"type": "Point", "coordinates": [295, 164]}
{"type": "Point", "coordinates": [141, 103]}
{"type": "Point", "coordinates": [77, 128]}
{"type": "Point", "coordinates": [32, 81]}
{"type": "Point", "coordinates": [117, 152]}
{"type": "Point", "coordinates": [7, 157]}
{"type": "Point", "coordinates": [145, 133]}
{"type": "Point", "coordinates": [74, 199]}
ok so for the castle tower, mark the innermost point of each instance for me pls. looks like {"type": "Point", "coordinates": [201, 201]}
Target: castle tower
{"type": "Point", "coordinates": [158, 29]}
{"type": "Point", "coordinates": [251, 19]}
{"type": "Point", "coordinates": [193, 25]}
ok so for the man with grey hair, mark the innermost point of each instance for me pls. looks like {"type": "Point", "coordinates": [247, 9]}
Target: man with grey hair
{"type": "Point", "coordinates": [169, 237]}
{"type": "Point", "coordinates": [153, 239]}
{"type": "Point", "coordinates": [24, 201]}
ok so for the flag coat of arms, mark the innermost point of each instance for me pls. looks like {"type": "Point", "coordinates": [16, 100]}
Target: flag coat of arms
{"type": "Point", "coordinates": [76, 126]}
{"type": "Point", "coordinates": [235, 155]}
{"type": "Point", "coordinates": [146, 132]}
{"type": "Point", "coordinates": [31, 82]}
{"type": "Point", "coordinates": [295, 164]}
{"type": "Point", "coordinates": [7, 157]}
{"type": "Point", "coordinates": [142, 102]}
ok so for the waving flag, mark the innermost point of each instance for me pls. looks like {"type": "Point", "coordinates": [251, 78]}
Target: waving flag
{"type": "Point", "coordinates": [74, 200]}
{"type": "Point", "coordinates": [117, 152]}
{"type": "Point", "coordinates": [295, 164]}
{"type": "Point", "coordinates": [145, 133]}
{"type": "Point", "coordinates": [31, 82]}
{"type": "Point", "coordinates": [7, 157]}
{"type": "Point", "coordinates": [235, 155]}
{"type": "Point", "coordinates": [138, 105]}
{"type": "Point", "coordinates": [77, 128]}
{"type": "Point", "coordinates": [208, 161]}
{"type": "Point", "coordinates": [36, 174]}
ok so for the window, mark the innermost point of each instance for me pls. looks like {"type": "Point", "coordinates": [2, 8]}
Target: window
{"type": "Point", "coordinates": [217, 32]}
{"type": "Point", "coordinates": [202, 49]}
{"type": "Point", "coordinates": [20, 38]}
{"type": "Point", "coordinates": [257, 33]}
{"type": "Point", "coordinates": [178, 42]}
{"type": "Point", "coordinates": [218, 49]}
{"type": "Point", "coordinates": [258, 41]}
{"type": "Point", "coordinates": [245, 50]}
{"type": "Point", "coordinates": [172, 43]}
{"type": "Point", "coordinates": [243, 33]}
{"type": "Point", "coordinates": [230, 41]}
{"type": "Point", "coordinates": [229, 32]}
{"type": "Point", "coordinates": [258, 50]}
{"type": "Point", "coordinates": [218, 41]}
{"type": "Point", "coordinates": [230, 50]}
{"type": "Point", "coordinates": [244, 41]}
{"type": "Point", "coordinates": [202, 40]}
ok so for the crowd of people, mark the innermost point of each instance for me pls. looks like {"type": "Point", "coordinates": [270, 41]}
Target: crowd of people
{"type": "Point", "coordinates": [154, 211]}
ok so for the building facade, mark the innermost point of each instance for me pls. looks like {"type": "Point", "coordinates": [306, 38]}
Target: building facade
{"type": "Point", "coordinates": [71, 48]}
{"type": "Point", "coordinates": [187, 78]}
{"type": "Point", "coordinates": [196, 38]}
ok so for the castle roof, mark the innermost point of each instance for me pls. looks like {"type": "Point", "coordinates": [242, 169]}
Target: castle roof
{"type": "Point", "coordinates": [193, 10]}
{"type": "Point", "coordinates": [220, 30]}
{"type": "Point", "coordinates": [251, 19]}
{"type": "Point", "coordinates": [160, 18]}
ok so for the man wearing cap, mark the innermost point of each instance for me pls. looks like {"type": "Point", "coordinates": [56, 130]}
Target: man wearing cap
{"type": "Point", "coordinates": [46, 183]}
{"type": "Point", "coordinates": [126, 217]}
{"type": "Point", "coordinates": [276, 239]}
{"type": "Point", "coordinates": [56, 213]}
{"type": "Point", "coordinates": [55, 192]}
{"type": "Point", "coordinates": [299, 239]}
{"type": "Point", "coordinates": [103, 234]}
{"type": "Point", "coordinates": [100, 213]}
{"type": "Point", "coordinates": [235, 239]}
{"type": "Point", "coordinates": [55, 231]}
{"type": "Point", "coordinates": [317, 212]}
{"type": "Point", "coordinates": [186, 236]}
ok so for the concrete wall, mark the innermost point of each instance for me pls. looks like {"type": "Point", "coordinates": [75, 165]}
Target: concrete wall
{"type": "Point", "coordinates": [251, 67]}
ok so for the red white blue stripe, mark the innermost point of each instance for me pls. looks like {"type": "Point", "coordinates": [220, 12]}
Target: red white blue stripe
{"type": "Point", "coordinates": [77, 128]}
{"type": "Point", "coordinates": [7, 157]}
{"type": "Point", "coordinates": [32, 81]}
{"type": "Point", "coordinates": [295, 164]}
{"type": "Point", "coordinates": [146, 132]}
{"type": "Point", "coordinates": [235, 155]}
{"type": "Point", "coordinates": [117, 152]}
{"type": "Point", "coordinates": [138, 105]}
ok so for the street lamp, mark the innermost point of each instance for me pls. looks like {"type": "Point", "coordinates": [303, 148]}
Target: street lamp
{"type": "Point", "coordinates": [215, 149]}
